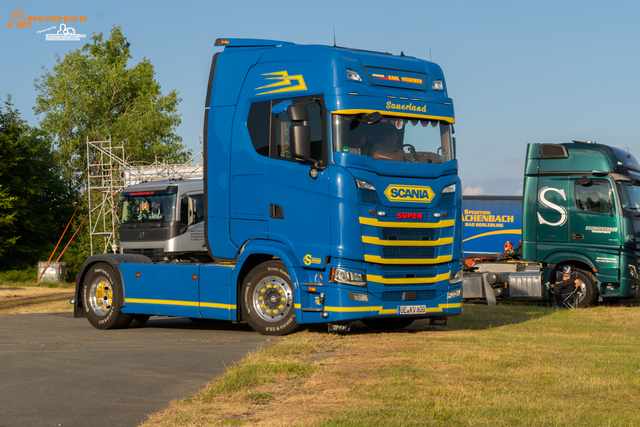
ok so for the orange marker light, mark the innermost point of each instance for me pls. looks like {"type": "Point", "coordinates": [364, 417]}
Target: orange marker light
{"type": "Point", "coordinates": [312, 289]}
{"type": "Point", "coordinates": [137, 274]}
{"type": "Point", "coordinates": [224, 41]}
{"type": "Point", "coordinates": [194, 277]}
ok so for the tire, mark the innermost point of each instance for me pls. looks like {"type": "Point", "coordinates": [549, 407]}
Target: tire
{"type": "Point", "coordinates": [138, 320]}
{"type": "Point", "coordinates": [389, 323]}
{"type": "Point", "coordinates": [589, 296]}
{"type": "Point", "coordinates": [100, 296]}
{"type": "Point", "coordinates": [267, 299]}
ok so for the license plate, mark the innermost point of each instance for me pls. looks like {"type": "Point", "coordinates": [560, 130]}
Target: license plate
{"type": "Point", "coordinates": [412, 309]}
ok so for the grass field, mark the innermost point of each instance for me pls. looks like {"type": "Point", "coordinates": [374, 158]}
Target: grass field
{"type": "Point", "coordinates": [510, 365]}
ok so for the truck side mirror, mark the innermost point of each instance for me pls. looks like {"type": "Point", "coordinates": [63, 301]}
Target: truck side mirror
{"type": "Point", "coordinates": [300, 141]}
{"type": "Point", "coordinates": [371, 118]}
{"type": "Point", "coordinates": [298, 113]}
{"type": "Point", "coordinates": [584, 181]}
{"type": "Point", "coordinates": [188, 206]}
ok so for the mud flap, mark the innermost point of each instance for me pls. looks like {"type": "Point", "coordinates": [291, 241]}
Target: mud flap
{"type": "Point", "coordinates": [488, 291]}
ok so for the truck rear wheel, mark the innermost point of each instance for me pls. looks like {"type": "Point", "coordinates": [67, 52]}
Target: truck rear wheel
{"type": "Point", "coordinates": [100, 295]}
{"type": "Point", "coordinates": [590, 294]}
{"type": "Point", "coordinates": [388, 324]}
{"type": "Point", "coordinates": [267, 299]}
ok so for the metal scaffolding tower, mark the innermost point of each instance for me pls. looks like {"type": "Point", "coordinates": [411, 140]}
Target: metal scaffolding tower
{"type": "Point", "coordinates": [108, 174]}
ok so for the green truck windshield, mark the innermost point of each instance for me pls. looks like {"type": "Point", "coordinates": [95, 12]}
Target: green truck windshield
{"type": "Point", "coordinates": [629, 196]}
{"type": "Point", "coordinates": [394, 139]}
{"type": "Point", "coordinates": [148, 208]}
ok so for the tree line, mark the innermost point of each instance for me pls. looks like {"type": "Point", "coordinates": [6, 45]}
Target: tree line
{"type": "Point", "coordinates": [90, 94]}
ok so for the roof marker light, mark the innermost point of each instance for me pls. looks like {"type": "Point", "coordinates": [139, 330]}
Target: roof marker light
{"type": "Point", "coordinates": [352, 75]}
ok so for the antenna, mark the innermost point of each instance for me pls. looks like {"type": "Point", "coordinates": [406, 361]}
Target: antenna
{"type": "Point", "coordinates": [334, 36]}
{"type": "Point", "coordinates": [628, 153]}
{"type": "Point", "coordinates": [430, 54]}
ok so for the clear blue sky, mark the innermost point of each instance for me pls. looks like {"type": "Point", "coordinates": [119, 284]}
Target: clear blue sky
{"type": "Point", "coordinates": [518, 72]}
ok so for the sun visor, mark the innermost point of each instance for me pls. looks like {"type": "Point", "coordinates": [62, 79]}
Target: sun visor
{"type": "Point", "coordinates": [397, 78]}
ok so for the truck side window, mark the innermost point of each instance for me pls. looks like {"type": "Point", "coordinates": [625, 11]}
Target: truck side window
{"type": "Point", "coordinates": [594, 198]}
{"type": "Point", "coordinates": [258, 124]}
{"type": "Point", "coordinates": [283, 149]}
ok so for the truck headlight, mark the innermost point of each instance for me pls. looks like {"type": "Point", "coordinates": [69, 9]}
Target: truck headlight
{"type": "Point", "coordinates": [339, 275]}
{"type": "Point", "coordinates": [449, 189]}
{"type": "Point", "coordinates": [455, 278]}
{"type": "Point", "coordinates": [364, 184]}
{"type": "Point", "coordinates": [454, 294]}
{"type": "Point", "coordinates": [633, 271]}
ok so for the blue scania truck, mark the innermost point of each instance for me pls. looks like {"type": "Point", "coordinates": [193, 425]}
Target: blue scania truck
{"type": "Point", "coordinates": [331, 194]}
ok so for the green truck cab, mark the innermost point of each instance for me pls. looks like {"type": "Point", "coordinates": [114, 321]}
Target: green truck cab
{"type": "Point", "coordinates": [581, 207]}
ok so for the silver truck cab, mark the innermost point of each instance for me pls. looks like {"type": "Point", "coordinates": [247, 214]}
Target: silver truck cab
{"type": "Point", "coordinates": [163, 220]}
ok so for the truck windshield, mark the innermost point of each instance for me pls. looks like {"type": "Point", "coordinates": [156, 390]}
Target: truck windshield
{"type": "Point", "coordinates": [393, 139]}
{"type": "Point", "coordinates": [629, 196]}
{"type": "Point", "coordinates": [148, 208]}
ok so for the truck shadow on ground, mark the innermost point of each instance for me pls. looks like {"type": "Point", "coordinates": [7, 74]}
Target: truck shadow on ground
{"type": "Point", "coordinates": [474, 317]}
{"type": "Point", "coordinates": [159, 322]}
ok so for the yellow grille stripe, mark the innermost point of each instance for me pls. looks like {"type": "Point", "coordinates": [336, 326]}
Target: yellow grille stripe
{"type": "Point", "coordinates": [378, 241]}
{"type": "Point", "coordinates": [380, 279]}
{"type": "Point", "coordinates": [376, 223]}
{"type": "Point", "coordinates": [379, 260]}
{"type": "Point", "coordinates": [395, 114]}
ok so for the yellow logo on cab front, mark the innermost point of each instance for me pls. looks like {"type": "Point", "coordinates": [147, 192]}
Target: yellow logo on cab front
{"type": "Point", "coordinates": [409, 193]}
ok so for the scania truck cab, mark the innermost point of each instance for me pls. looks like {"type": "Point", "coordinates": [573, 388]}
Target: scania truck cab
{"type": "Point", "coordinates": [581, 207]}
{"type": "Point", "coordinates": [331, 194]}
{"type": "Point", "coordinates": [163, 220]}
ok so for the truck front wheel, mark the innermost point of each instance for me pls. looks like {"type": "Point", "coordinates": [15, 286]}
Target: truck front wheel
{"type": "Point", "coordinates": [590, 294]}
{"type": "Point", "coordinates": [267, 299]}
{"type": "Point", "coordinates": [100, 295]}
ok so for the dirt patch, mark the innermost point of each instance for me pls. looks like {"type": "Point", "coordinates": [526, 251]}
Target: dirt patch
{"type": "Point", "coordinates": [27, 299]}
{"type": "Point", "coordinates": [13, 292]}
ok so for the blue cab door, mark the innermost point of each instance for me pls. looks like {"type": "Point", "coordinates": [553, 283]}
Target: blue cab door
{"type": "Point", "coordinates": [299, 205]}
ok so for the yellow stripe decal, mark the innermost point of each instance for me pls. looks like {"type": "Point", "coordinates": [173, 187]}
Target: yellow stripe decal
{"type": "Point", "coordinates": [382, 310]}
{"type": "Point", "coordinates": [161, 301]}
{"type": "Point", "coordinates": [297, 305]}
{"type": "Point", "coordinates": [216, 305]}
{"type": "Point", "coordinates": [182, 303]}
{"type": "Point", "coordinates": [379, 260]}
{"type": "Point", "coordinates": [380, 279]}
{"type": "Point", "coordinates": [376, 223]}
{"type": "Point", "coordinates": [378, 241]}
{"type": "Point", "coordinates": [396, 114]}
{"type": "Point", "coordinates": [495, 232]}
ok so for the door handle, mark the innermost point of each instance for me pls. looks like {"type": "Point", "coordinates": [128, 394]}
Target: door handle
{"type": "Point", "coordinates": [577, 236]}
{"type": "Point", "coordinates": [275, 211]}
